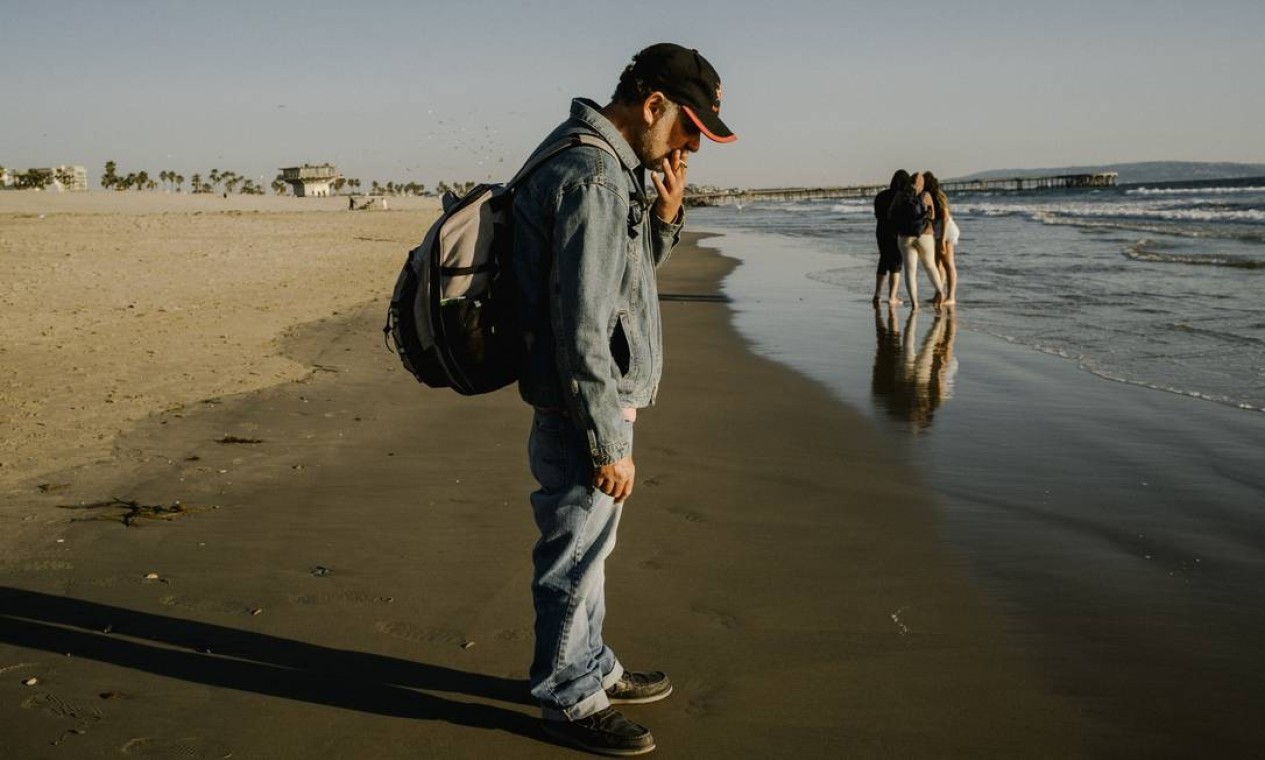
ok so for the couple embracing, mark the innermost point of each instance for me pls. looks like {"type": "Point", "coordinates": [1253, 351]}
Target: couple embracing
{"type": "Point", "coordinates": [915, 223]}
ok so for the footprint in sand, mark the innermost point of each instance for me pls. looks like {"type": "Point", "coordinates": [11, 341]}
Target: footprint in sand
{"type": "Point", "coordinates": [50, 704]}
{"type": "Point", "coordinates": [223, 607]}
{"type": "Point", "coordinates": [700, 705]}
{"type": "Point", "coordinates": [410, 632]}
{"type": "Point", "coordinates": [190, 747]}
{"type": "Point", "coordinates": [36, 566]}
{"type": "Point", "coordinates": [724, 618]}
{"type": "Point", "coordinates": [657, 561]}
{"type": "Point", "coordinates": [338, 597]}
{"type": "Point", "coordinates": [513, 634]}
{"type": "Point", "coordinates": [688, 515]}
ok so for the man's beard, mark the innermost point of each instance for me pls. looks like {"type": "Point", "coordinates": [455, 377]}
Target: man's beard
{"type": "Point", "coordinates": [647, 147]}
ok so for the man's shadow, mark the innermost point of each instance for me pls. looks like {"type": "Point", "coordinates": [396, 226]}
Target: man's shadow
{"type": "Point", "coordinates": [230, 658]}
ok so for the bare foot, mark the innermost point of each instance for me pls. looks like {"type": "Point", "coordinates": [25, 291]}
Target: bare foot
{"type": "Point", "coordinates": [949, 302]}
{"type": "Point", "coordinates": [875, 299]}
{"type": "Point", "coordinates": [894, 301]}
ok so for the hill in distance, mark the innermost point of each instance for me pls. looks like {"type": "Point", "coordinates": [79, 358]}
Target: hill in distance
{"type": "Point", "coordinates": [1142, 171]}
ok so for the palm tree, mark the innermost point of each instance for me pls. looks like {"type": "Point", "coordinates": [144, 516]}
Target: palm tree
{"type": "Point", "coordinates": [33, 179]}
{"type": "Point", "coordinates": [196, 181]}
{"type": "Point", "coordinates": [179, 178]}
{"type": "Point", "coordinates": [109, 179]}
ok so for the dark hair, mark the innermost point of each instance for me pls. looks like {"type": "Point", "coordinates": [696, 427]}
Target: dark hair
{"type": "Point", "coordinates": [901, 180]}
{"type": "Point", "coordinates": [938, 198]}
{"type": "Point", "coordinates": [931, 184]}
{"type": "Point", "coordinates": [632, 88]}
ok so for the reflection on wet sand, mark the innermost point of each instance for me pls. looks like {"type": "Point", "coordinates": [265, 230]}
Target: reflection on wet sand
{"type": "Point", "coordinates": [911, 385]}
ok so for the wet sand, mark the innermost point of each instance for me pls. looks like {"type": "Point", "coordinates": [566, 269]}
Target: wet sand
{"type": "Point", "coordinates": [355, 581]}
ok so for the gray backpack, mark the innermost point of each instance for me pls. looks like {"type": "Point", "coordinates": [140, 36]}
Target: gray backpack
{"type": "Point", "coordinates": [452, 316]}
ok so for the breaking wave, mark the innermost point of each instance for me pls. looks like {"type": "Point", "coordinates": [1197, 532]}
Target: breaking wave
{"type": "Point", "coordinates": [1068, 213]}
{"type": "Point", "coordinates": [1194, 190]}
{"type": "Point", "coordinates": [1145, 250]}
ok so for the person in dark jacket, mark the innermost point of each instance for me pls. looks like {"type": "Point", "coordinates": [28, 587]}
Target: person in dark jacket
{"type": "Point", "coordinates": [889, 258]}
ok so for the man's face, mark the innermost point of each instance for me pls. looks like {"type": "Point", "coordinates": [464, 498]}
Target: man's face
{"type": "Point", "coordinates": [672, 130]}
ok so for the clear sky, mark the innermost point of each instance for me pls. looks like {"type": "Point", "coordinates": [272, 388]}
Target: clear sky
{"type": "Point", "coordinates": [828, 92]}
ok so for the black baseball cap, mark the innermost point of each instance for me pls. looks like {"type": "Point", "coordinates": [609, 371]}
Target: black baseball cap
{"type": "Point", "coordinates": [686, 77]}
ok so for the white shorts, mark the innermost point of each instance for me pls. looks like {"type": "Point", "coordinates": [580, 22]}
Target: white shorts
{"type": "Point", "coordinates": [952, 234]}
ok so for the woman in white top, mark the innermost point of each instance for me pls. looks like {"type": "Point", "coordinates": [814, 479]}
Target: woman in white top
{"type": "Point", "coordinates": [946, 233]}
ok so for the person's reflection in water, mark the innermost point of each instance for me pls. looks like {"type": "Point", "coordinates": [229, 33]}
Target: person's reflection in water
{"type": "Point", "coordinates": [911, 385]}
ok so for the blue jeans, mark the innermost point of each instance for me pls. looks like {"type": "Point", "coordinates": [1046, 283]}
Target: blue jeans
{"type": "Point", "coordinates": [572, 667]}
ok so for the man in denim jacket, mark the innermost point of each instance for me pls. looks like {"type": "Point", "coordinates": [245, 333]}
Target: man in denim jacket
{"type": "Point", "coordinates": [587, 242]}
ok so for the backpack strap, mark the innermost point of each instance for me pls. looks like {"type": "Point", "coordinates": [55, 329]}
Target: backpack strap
{"type": "Point", "coordinates": [573, 140]}
{"type": "Point", "coordinates": [636, 212]}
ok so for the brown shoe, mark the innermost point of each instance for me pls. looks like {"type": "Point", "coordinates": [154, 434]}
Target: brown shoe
{"type": "Point", "coordinates": [606, 732]}
{"type": "Point", "coordinates": [639, 688]}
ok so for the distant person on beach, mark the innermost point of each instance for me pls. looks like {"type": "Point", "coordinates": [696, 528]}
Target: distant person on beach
{"type": "Point", "coordinates": [911, 213]}
{"type": "Point", "coordinates": [587, 241]}
{"type": "Point", "coordinates": [946, 233]}
{"type": "Point", "coordinates": [888, 250]}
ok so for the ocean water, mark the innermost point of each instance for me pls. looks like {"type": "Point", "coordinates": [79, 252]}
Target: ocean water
{"type": "Point", "coordinates": [1160, 286]}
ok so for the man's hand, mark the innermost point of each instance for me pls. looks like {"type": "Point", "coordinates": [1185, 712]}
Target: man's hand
{"type": "Point", "coordinates": [616, 479]}
{"type": "Point", "coordinates": [671, 186]}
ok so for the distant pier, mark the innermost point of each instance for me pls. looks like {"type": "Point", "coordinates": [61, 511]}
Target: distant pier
{"type": "Point", "coordinates": [1008, 185]}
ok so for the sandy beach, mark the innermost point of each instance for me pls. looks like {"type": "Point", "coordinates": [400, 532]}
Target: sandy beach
{"type": "Point", "coordinates": [353, 582]}
{"type": "Point", "coordinates": [114, 306]}
{"type": "Point", "coordinates": [240, 529]}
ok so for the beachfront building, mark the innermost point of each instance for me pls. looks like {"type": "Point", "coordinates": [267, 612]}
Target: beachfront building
{"type": "Point", "coordinates": [57, 178]}
{"type": "Point", "coordinates": [311, 181]}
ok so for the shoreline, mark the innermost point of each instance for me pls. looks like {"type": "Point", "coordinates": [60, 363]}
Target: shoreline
{"type": "Point", "coordinates": [363, 571]}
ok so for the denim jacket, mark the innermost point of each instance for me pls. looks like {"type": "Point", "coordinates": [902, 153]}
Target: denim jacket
{"type": "Point", "coordinates": [586, 246]}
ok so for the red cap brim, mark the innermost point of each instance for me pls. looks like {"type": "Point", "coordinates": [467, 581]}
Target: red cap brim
{"type": "Point", "coordinates": [709, 132]}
